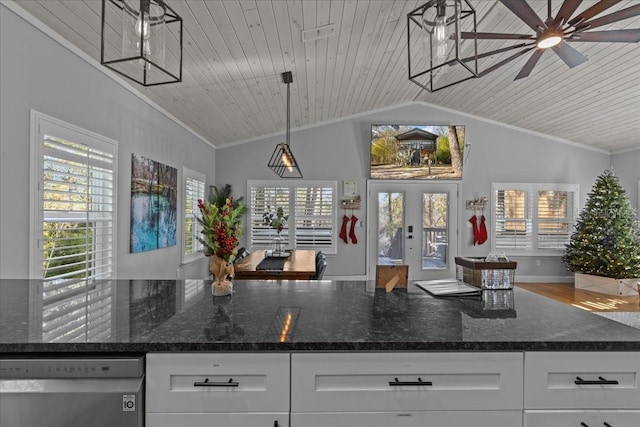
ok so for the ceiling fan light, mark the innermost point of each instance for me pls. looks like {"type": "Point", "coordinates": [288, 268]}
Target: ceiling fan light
{"type": "Point", "coordinates": [548, 40]}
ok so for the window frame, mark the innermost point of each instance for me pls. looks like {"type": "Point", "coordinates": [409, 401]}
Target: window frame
{"type": "Point", "coordinates": [531, 218]}
{"type": "Point", "coordinates": [197, 253]}
{"type": "Point", "coordinates": [42, 125]}
{"type": "Point", "coordinates": [289, 187]}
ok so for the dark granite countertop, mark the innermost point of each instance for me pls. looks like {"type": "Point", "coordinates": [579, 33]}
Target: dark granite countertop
{"type": "Point", "coordinates": [136, 316]}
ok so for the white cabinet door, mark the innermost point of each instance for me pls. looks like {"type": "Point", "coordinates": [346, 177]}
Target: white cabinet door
{"type": "Point", "coordinates": [581, 418]}
{"type": "Point", "coordinates": [391, 382]}
{"type": "Point", "coordinates": [217, 382]}
{"type": "Point", "coordinates": [409, 419]}
{"type": "Point", "coordinates": [582, 380]}
{"type": "Point", "coordinates": [217, 420]}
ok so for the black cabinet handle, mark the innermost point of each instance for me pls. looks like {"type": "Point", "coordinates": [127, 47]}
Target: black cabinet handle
{"type": "Point", "coordinates": [207, 383]}
{"type": "Point", "coordinates": [417, 383]}
{"type": "Point", "coordinates": [599, 381]}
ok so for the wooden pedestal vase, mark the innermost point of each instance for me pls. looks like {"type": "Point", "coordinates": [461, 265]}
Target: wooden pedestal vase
{"type": "Point", "coordinates": [222, 276]}
{"type": "Point", "coordinates": [607, 285]}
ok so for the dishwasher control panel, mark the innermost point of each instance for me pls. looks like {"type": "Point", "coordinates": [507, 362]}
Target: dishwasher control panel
{"type": "Point", "coordinates": [71, 368]}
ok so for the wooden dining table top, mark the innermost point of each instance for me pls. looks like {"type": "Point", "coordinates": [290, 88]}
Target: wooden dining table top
{"type": "Point", "coordinates": [300, 265]}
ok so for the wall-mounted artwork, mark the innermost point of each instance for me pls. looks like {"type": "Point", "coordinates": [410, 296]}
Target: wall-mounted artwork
{"type": "Point", "coordinates": [418, 151]}
{"type": "Point", "coordinates": [153, 204]}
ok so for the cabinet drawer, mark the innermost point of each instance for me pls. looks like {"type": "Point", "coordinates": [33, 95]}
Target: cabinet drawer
{"type": "Point", "coordinates": [388, 382]}
{"type": "Point", "coordinates": [227, 420]}
{"type": "Point", "coordinates": [214, 382]}
{"type": "Point", "coordinates": [581, 418]}
{"type": "Point", "coordinates": [575, 380]}
{"type": "Point", "coordinates": [409, 419]}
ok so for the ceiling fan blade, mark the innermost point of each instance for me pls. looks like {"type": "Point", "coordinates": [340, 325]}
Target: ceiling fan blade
{"type": "Point", "coordinates": [614, 36]}
{"type": "Point", "coordinates": [569, 55]}
{"type": "Point", "coordinates": [565, 12]}
{"type": "Point", "coordinates": [503, 62]}
{"type": "Point", "coordinates": [533, 60]}
{"type": "Point", "coordinates": [629, 12]}
{"type": "Point", "coordinates": [496, 36]}
{"type": "Point", "coordinates": [495, 52]}
{"type": "Point", "coordinates": [523, 11]}
{"type": "Point", "coordinates": [594, 10]}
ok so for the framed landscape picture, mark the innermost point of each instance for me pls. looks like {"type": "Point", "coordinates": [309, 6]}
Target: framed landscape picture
{"type": "Point", "coordinates": [420, 151]}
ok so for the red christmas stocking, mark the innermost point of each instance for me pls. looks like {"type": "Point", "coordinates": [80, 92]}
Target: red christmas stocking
{"type": "Point", "coordinates": [474, 228]}
{"type": "Point", "coordinates": [482, 231]}
{"type": "Point", "coordinates": [343, 229]}
{"type": "Point", "coordinates": [352, 230]}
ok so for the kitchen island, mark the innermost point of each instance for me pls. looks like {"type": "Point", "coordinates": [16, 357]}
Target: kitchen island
{"type": "Point", "coordinates": [139, 316]}
{"type": "Point", "coordinates": [340, 353]}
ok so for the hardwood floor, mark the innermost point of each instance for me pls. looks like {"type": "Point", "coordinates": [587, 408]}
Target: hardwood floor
{"type": "Point", "coordinates": [586, 300]}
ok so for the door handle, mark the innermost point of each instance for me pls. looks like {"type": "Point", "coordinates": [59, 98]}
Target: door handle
{"type": "Point", "coordinates": [599, 381]}
{"type": "Point", "coordinates": [207, 383]}
{"type": "Point", "coordinates": [397, 383]}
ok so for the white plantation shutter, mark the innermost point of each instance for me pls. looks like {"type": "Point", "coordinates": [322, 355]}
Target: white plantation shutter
{"type": "Point", "coordinates": [73, 237]}
{"type": "Point", "coordinates": [557, 212]}
{"type": "Point", "coordinates": [77, 206]}
{"type": "Point", "coordinates": [193, 190]}
{"type": "Point", "coordinates": [311, 207]}
{"type": "Point", "coordinates": [513, 220]}
{"type": "Point", "coordinates": [314, 217]}
{"type": "Point", "coordinates": [266, 198]}
{"type": "Point", "coordinates": [533, 219]}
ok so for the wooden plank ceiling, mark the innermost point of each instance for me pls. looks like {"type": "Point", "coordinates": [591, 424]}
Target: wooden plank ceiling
{"type": "Point", "coordinates": [235, 50]}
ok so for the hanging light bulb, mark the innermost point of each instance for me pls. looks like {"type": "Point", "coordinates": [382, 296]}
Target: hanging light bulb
{"type": "Point", "coordinates": [440, 31]}
{"type": "Point", "coordinates": [142, 26]}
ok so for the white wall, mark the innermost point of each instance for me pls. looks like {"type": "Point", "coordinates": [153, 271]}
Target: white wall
{"type": "Point", "coordinates": [498, 153]}
{"type": "Point", "coordinates": [36, 72]}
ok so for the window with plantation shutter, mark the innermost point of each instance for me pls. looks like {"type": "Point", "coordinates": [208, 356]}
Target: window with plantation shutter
{"type": "Point", "coordinates": [311, 210]}
{"type": "Point", "coordinates": [556, 215]}
{"type": "Point", "coordinates": [193, 190]}
{"type": "Point", "coordinates": [73, 227]}
{"type": "Point", "coordinates": [314, 217]}
{"type": "Point", "coordinates": [533, 219]}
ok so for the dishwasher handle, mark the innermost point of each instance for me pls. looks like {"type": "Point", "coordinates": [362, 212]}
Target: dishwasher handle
{"type": "Point", "coordinates": [207, 383]}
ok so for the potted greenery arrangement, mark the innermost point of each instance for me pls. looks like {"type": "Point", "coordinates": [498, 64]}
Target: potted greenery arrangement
{"type": "Point", "coordinates": [276, 221]}
{"type": "Point", "coordinates": [604, 250]}
{"type": "Point", "coordinates": [221, 221]}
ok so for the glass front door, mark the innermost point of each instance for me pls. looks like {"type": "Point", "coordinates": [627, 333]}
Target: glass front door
{"type": "Point", "coordinates": [414, 225]}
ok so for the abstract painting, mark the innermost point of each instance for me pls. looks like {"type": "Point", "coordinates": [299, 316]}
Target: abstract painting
{"type": "Point", "coordinates": [153, 204]}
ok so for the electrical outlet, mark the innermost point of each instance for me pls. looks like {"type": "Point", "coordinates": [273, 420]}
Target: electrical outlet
{"type": "Point", "coordinates": [537, 263]}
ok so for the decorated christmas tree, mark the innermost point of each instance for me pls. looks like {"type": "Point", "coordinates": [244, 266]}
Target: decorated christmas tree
{"type": "Point", "coordinates": [606, 240]}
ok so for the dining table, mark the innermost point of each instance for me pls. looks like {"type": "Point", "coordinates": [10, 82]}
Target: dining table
{"type": "Point", "coordinates": [300, 264]}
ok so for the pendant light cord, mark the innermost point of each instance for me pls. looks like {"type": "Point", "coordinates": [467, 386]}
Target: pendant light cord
{"type": "Point", "coordinates": [288, 114]}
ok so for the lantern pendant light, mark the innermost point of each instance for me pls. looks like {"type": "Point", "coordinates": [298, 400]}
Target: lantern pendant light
{"type": "Point", "coordinates": [142, 41]}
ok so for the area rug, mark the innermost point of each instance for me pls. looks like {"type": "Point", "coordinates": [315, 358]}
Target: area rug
{"type": "Point", "coordinates": [631, 318]}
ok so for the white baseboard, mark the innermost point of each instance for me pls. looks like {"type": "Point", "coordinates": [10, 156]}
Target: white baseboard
{"type": "Point", "coordinates": [544, 279]}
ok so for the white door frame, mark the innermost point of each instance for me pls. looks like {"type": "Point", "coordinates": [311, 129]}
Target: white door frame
{"type": "Point", "coordinates": [373, 186]}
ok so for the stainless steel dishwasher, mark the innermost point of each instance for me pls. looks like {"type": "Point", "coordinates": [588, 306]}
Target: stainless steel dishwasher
{"type": "Point", "coordinates": [72, 392]}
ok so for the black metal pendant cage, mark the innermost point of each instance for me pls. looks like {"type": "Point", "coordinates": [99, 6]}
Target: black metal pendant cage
{"type": "Point", "coordinates": [142, 41]}
{"type": "Point", "coordinates": [438, 57]}
{"type": "Point", "coordinates": [282, 161]}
